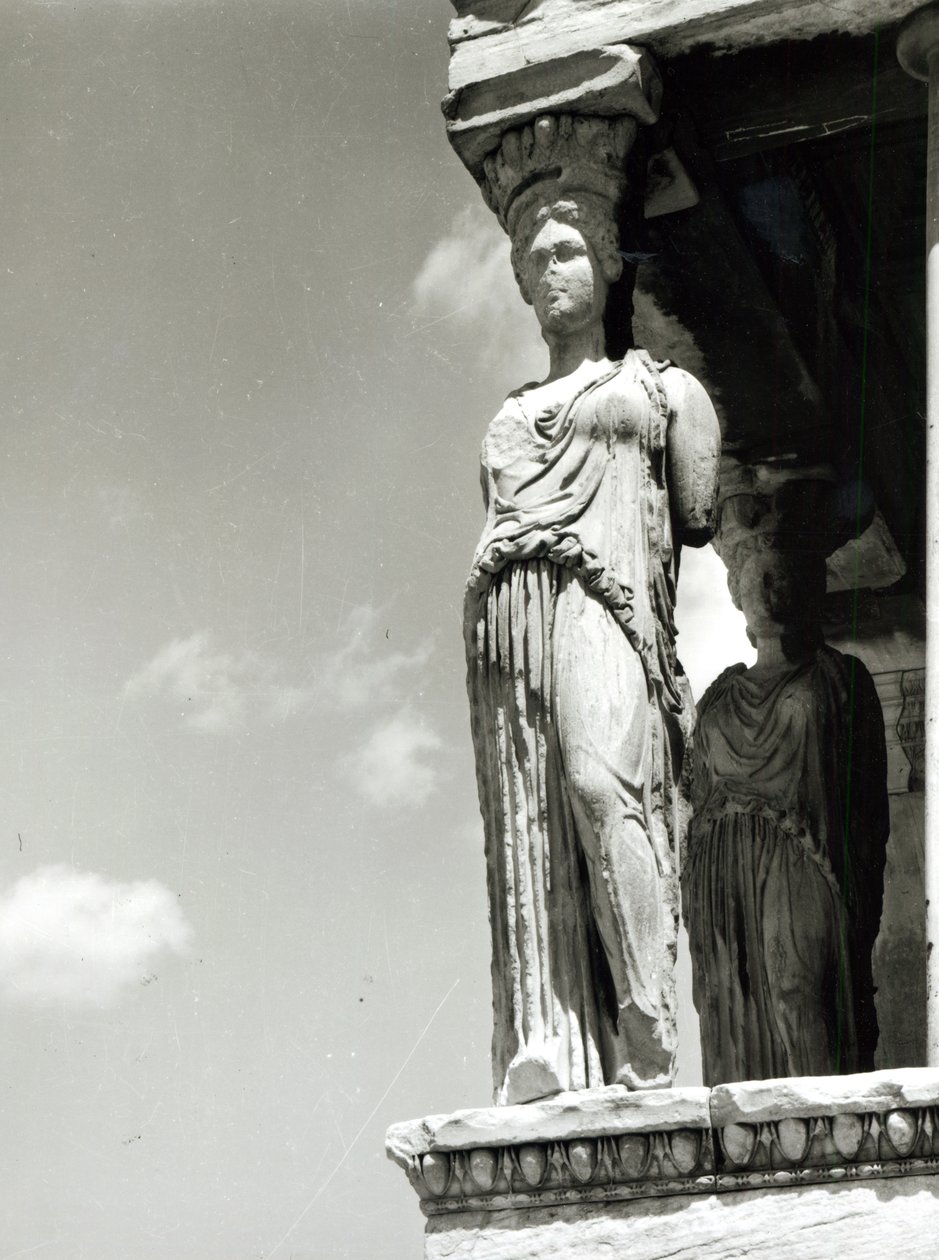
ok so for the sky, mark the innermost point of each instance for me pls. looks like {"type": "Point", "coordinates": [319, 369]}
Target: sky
{"type": "Point", "coordinates": [255, 320]}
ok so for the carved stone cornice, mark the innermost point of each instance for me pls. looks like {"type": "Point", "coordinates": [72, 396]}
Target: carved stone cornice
{"type": "Point", "coordinates": [816, 1129]}
{"type": "Point", "coordinates": [610, 1145]}
{"type": "Point", "coordinates": [598, 1145]}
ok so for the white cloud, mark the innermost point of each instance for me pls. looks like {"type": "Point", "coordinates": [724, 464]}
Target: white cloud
{"type": "Point", "coordinates": [215, 689]}
{"type": "Point", "coordinates": [466, 286]}
{"type": "Point", "coordinates": [391, 768]}
{"type": "Point", "coordinates": [218, 690]}
{"type": "Point", "coordinates": [364, 672]}
{"type": "Point", "coordinates": [80, 939]}
{"type": "Point", "coordinates": [210, 685]}
{"type": "Point", "coordinates": [712, 633]}
{"type": "Point", "coordinates": [393, 765]}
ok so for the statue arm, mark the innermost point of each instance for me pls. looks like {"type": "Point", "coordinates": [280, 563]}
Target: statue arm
{"type": "Point", "coordinates": [693, 454]}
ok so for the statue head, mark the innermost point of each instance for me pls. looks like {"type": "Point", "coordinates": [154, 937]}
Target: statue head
{"type": "Point", "coordinates": [559, 184]}
{"type": "Point", "coordinates": [777, 590]}
{"type": "Point", "coordinates": [575, 232]}
{"type": "Point", "coordinates": [565, 258]}
{"type": "Point", "coordinates": [774, 536]}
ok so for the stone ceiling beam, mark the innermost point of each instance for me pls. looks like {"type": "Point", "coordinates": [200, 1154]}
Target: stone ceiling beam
{"type": "Point", "coordinates": [765, 99]}
{"type": "Point", "coordinates": [492, 38]}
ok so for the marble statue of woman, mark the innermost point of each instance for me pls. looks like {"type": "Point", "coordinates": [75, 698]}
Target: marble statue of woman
{"type": "Point", "coordinates": [783, 880]}
{"type": "Point", "coordinates": [592, 479]}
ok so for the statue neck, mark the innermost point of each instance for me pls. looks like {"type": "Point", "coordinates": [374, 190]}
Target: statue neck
{"type": "Point", "coordinates": [572, 349]}
{"type": "Point", "coordinates": [771, 657]}
{"type": "Point", "coordinates": [769, 653]}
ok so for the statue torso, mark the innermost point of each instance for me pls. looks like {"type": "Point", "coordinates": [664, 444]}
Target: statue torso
{"type": "Point", "coordinates": [578, 465]}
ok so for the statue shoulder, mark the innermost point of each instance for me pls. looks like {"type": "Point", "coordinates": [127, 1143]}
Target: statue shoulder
{"type": "Point", "coordinates": [719, 686]}
{"type": "Point", "coordinates": [684, 391]}
{"type": "Point", "coordinates": [505, 435]}
{"type": "Point", "coordinates": [849, 671]}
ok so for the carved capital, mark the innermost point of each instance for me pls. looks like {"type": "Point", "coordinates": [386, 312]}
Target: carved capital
{"type": "Point", "coordinates": [618, 81]}
{"type": "Point", "coordinates": [598, 98]}
{"type": "Point", "coordinates": [918, 42]}
{"type": "Point", "coordinates": [778, 522]}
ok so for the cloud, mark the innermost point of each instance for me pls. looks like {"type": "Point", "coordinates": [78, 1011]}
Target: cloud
{"type": "Point", "coordinates": [215, 689]}
{"type": "Point", "coordinates": [211, 685]}
{"type": "Point", "coordinates": [393, 765]}
{"type": "Point", "coordinates": [712, 632]}
{"type": "Point", "coordinates": [465, 287]}
{"type": "Point", "coordinates": [81, 939]}
{"type": "Point", "coordinates": [391, 768]}
{"type": "Point", "coordinates": [362, 672]}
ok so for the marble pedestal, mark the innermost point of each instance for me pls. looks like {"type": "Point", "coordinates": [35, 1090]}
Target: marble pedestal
{"type": "Point", "coordinates": [804, 1168]}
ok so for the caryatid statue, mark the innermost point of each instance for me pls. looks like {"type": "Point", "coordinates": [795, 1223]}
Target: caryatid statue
{"type": "Point", "coordinates": [783, 880]}
{"type": "Point", "coordinates": [592, 478]}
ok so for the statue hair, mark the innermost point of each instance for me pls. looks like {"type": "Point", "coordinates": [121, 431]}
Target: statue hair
{"type": "Point", "coordinates": [590, 214]}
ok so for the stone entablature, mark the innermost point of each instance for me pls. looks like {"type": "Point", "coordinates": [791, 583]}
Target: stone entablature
{"type": "Point", "coordinates": [491, 39]}
{"type": "Point", "coordinates": [610, 1145]}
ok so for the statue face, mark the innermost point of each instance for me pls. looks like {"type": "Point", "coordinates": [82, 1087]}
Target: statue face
{"type": "Point", "coordinates": [567, 288]}
{"type": "Point", "coordinates": [769, 592]}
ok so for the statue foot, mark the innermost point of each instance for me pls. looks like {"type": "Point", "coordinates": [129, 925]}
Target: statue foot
{"type": "Point", "coordinates": [530, 1076]}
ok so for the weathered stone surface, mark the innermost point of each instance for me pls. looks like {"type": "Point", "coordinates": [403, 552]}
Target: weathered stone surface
{"type": "Point", "coordinates": [902, 695]}
{"type": "Point", "coordinates": [917, 41]}
{"type": "Point", "coordinates": [900, 952]}
{"type": "Point", "coordinates": [490, 39]}
{"type": "Point", "coordinates": [866, 1220]}
{"type": "Point", "coordinates": [869, 561]}
{"type": "Point", "coordinates": [578, 709]}
{"type": "Point", "coordinates": [602, 82]}
{"type": "Point", "coordinates": [819, 88]}
{"type": "Point", "coordinates": [586, 1113]}
{"type": "Point", "coordinates": [799, 1167]}
{"type": "Point", "coordinates": [752, 1101]}
{"type": "Point", "coordinates": [783, 881]}
{"type": "Point", "coordinates": [889, 636]}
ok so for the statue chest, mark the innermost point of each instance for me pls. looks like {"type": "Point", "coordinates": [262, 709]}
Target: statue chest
{"type": "Point", "coordinates": [609, 420]}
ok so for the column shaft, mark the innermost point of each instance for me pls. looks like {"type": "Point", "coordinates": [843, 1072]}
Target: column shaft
{"type": "Point", "coordinates": [932, 568]}
{"type": "Point", "coordinates": [918, 53]}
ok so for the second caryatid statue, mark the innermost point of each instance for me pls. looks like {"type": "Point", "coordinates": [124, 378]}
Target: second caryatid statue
{"type": "Point", "coordinates": [593, 479]}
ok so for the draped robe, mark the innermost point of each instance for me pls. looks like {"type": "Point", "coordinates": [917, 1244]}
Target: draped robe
{"type": "Point", "coordinates": [580, 715]}
{"type": "Point", "coordinates": [783, 879]}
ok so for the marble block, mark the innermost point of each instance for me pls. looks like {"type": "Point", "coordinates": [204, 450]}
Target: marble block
{"type": "Point", "coordinates": [798, 1168]}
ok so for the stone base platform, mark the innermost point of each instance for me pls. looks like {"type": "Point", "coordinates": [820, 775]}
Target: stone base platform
{"type": "Point", "coordinates": [806, 1168]}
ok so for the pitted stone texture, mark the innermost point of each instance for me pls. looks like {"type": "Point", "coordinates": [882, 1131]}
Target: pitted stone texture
{"type": "Point", "coordinates": [605, 82]}
{"type": "Point", "coordinates": [863, 1220]}
{"type": "Point", "coordinates": [802, 1168]}
{"type": "Point", "coordinates": [878, 1124]}
{"type": "Point", "coordinates": [497, 39]}
{"type": "Point", "coordinates": [586, 1113]}
{"type": "Point", "coordinates": [748, 1102]}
